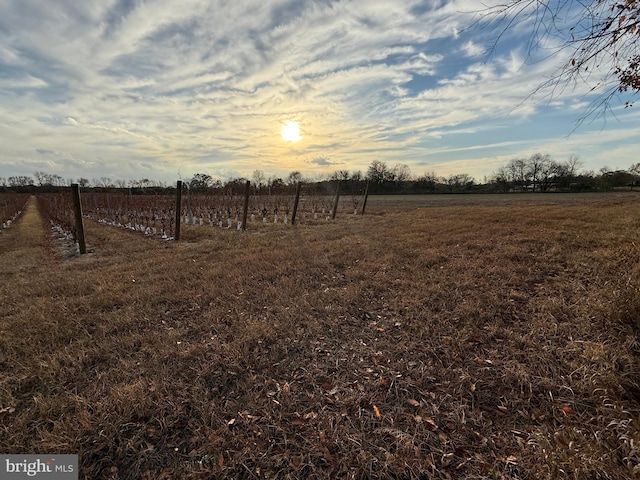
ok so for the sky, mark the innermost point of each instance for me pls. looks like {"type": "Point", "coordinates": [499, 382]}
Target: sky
{"type": "Point", "coordinates": [165, 89]}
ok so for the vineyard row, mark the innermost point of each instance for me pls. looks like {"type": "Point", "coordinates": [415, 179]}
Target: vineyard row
{"type": "Point", "coordinates": [11, 207]}
{"type": "Point", "coordinates": [155, 215]}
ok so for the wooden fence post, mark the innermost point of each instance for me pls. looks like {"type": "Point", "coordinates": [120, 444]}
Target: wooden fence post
{"type": "Point", "coordinates": [337, 199]}
{"type": "Point", "coordinates": [247, 192]}
{"type": "Point", "coordinates": [295, 204]}
{"type": "Point", "coordinates": [176, 236]}
{"type": "Point", "coordinates": [77, 208]}
{"type": "Point", "coordinates": [366, 195]}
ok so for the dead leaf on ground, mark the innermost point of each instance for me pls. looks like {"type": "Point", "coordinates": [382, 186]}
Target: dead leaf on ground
{"type": "Point", "coordinates": [296, 461]}
{"type": "Point", "coordinates": [431, 422]}
{"type": "Point", "coordinates": [6, 410]}
{"type": "Point", "coordinates": [299, 421]}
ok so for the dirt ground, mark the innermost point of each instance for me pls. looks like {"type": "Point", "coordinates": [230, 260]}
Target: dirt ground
{"type": "Point", "coordinates": [495, 338]}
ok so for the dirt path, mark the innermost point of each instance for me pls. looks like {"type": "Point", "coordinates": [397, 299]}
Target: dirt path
{"type": "Point", "coordinates": [22, 247]}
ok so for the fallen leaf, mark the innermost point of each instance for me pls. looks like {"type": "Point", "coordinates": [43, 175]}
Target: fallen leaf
{"type": "Point", "coordinates": [430, 421]}
{"type": "Point", "coordinates": [296, 461]}
{"type": "Point", "coordinates": [566, 409]}
{"type": "Point", "coordinates": [6, 410]}
{"type": "Point", "coordinates": [413, 402]}
{"type": "Point", "coordinates": [298, 421]}
{"type": "Point", "coordinates": [376, 411]}
{"type": "Point", "coordinates": [231, 422]}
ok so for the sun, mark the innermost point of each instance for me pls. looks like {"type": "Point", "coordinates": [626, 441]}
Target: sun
{"type": "Point", "coordinates": [290, 131]}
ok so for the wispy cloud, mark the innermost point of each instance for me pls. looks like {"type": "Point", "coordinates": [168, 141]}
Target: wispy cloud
{"type": "Point", "coordinates": [125, 87]}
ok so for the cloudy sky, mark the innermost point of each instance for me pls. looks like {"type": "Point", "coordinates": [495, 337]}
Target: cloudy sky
{"type": "Point", "coordinates": [164, 89]}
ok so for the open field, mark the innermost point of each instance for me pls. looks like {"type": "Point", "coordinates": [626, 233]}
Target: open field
{"type": "Point", "coordinates": [495, 338]}
{"type": "Point", "coordinates": [510, 199]}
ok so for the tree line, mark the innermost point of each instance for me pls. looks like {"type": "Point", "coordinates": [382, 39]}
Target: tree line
{"type": "Point", "coordinates": [537, 173]}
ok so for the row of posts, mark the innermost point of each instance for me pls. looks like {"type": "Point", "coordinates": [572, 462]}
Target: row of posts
{"type": "Point", "coordinates": [77, 206]}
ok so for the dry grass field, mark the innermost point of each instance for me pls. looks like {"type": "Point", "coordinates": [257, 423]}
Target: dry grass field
{"type": "Point", "coordinates": [493, 337]}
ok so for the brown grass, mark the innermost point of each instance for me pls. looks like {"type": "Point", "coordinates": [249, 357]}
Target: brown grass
{"type": "Point", "coordinates": [496, 340]}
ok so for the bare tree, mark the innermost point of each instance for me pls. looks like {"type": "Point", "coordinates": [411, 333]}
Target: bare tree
{"type": "Point", "coordinates": [518, 173]}
{"type": "Point", "coordinates": [401, 172]}
{"type": "Point", "coordinates": [573, 164]}
{"type": "Point", "coordinates": [105, 182]}
{"type": "Point", "coordinates": [200, 182]}
{"type": "Point", "coordinates": [340, 175]}
{"type": "Point", "coordinates": [294, 177]}
{"type": "Point", "coordinates": [540, 170]}
{"type": "Point", "coordinates": [20, 181]}
{"type": "Point", "coordinates": [259, 178]}
{"type": "Point", "coordinates": [635, 169]}
{"type": "Point", "coordinates": [41, 177]}
{"type": "Point", "coordinates": [57, 180]}
{"type": "Point", "coordinates": [378, 172]}
{"type": "Point", "coordinates": [502, 179]}
{"type": "Point", "coordinates": [459, 182]}
{"type": "Point", "coordinates": [600, 39]}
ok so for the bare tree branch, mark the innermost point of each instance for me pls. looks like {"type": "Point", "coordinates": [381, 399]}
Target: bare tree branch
{"type": "Point", "coordinates": [598, 41]}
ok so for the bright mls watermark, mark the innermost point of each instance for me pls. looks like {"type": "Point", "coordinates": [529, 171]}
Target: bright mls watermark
{"type": "Point", "coordinates": [50, 467]}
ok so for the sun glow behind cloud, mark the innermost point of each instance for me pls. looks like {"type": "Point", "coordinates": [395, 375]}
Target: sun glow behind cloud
{"type": "Point", "coordinates": [130, 89]}
{"type": "Point", "coordinates": [290, 131]}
